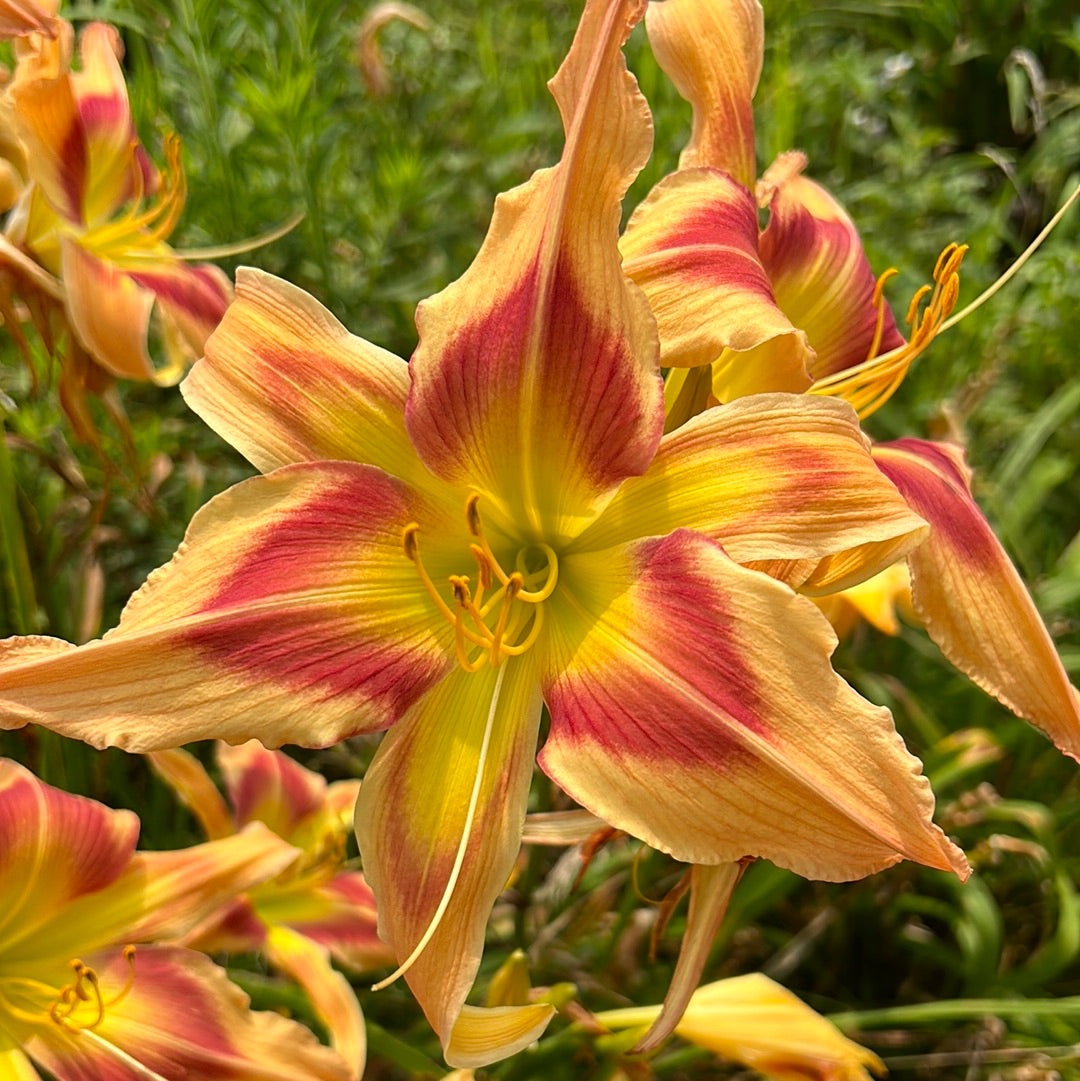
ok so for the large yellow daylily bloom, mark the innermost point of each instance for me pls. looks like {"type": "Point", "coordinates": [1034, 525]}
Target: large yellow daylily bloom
{"type": "Point", "coordinates": [85, 247]}
{"type": "Point", "coordinates": [84, 990]}
{"type": "Point", "coordinates": [796, 307]}
{"type": "Point", "coordinates": [315, 909]}
{"type": "Point", "coordinates": [447, 545]}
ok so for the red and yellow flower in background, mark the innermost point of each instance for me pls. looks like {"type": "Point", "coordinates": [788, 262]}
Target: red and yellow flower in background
{"type": "Point", "coordinates": [796, 307]}
{"type": "Point", "coordinates": [84, 253]}
{"type": "Point", "coordinates": [85, 991]}
{"type": "Point", "coordinates": [753, 1020]}
{"type": "Point", "coordinates": [442, 547]}
{"type": "Point", "coordinates": [315, 909]}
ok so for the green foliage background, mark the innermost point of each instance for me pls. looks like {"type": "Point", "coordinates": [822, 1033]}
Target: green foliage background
{"type": "Point", "coordinates": [932, 122]}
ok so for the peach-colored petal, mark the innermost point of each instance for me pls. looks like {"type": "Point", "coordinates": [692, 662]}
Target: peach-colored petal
{"type": "Point", "coordinates": [712, 51]}
{"type": "Point", "coordinates": [672, 662]}
{"type": "Point", "coordinates": [54, 849]}
{"type": "Point", "coordinates": [771, 477]}
{"type": "Point", "coordinates": [822, 279]}
{"type": "Point", "coordinates": [182, 1019]}
{"type": "Point", "coordinates": [692, 246]}
{"type": "Point", "coordinates": [440, 796]}
{"type": "Point", "coordinates": [21, 17]}
{"type": "Point", "coordinates": [334, 1000]}
{"type": "Point", "coordinates": [971, 598]}
{"type": "Point", "coordinates": [290, 613]}
{"type": "Point", "coordinates": [185, 775]}
{"type": "Point", "coordinates": [710, 892]}
{"type": "Point", "coordinates": [285, 382]}
{"type": "Point", "coordinates": [536, 377]}
{"type": "Point", "coordinates": [110, 313]}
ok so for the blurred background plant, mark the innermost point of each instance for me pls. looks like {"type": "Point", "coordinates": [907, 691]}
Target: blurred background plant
{"type": "Point", "coordinates": [932, 122]}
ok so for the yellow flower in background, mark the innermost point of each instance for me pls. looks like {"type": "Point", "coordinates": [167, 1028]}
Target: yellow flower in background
{"type": "Point", "coordinates": [752, 1020]}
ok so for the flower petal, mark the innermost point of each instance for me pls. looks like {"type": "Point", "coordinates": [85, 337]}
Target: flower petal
{"type": "Point", "coordinates": [484, 1034]}
{"type": "Point", "coordinates": [160, 895]}
{"type": "Point", "coordinates": [340, 915]}
{"type": "Point", "coordinates": [536, 376]}
{"type": "Point", "coordinates": [110, 314]}
{"type": "Point", "coordinates": [712, 51]}
{"type": "Point", "coordinates": [412, 815]}
{"type": "Point", "coordinates": [191, 784]}
{"type": "Point", "coordinates": [54, 848]}
{"type": "Point", "coordinates": [771, 477]}
{"type": "Point", "coordinates": [753, 1020]}
{"type": "Point", "coordinates": [334, 1000]}
{"type": "Point", "coordinates": [671, 663]}
{"type": "Point", "coordinates": [191, 299]}
{"type": "Point", "coordinates": [14, 1065]}
{"type": "Point", "coordinates": [21, 17]}
{"type": "Point", "coordinates": [181, 1018]}
{"type": "Point", "coordinates": [710, 892]}
{"type": "Point", "coordinates": [692, 246]}
{"type": "Point", "coordinates": [283, 381]}
{"type": "Point", "coordinates": [269, 786]}
{"type": "Point", "coordinates": [971, 598]}
{"type": "Point", "coordinates": [821, 276]}
{"type": "Point", "coordinates": [289, 613]}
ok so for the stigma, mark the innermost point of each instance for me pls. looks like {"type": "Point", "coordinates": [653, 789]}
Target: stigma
{"type": "Point", "coordinates": [495, 613]}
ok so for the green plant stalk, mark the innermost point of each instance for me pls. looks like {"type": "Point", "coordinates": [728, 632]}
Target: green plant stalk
{"type": "Point", "coordinates": [18, 582]}
{"type": "Point", "coordinates": [929, 1013]}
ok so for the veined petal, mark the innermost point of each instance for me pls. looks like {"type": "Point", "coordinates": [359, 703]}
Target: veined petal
{"type": "Point", "coordinates": [110, 314]}
{"type": "Point", "coordinates": [334, 1000]}
{"type": "Point", "coordinates": [770, 477]}
{"type": "Point", "coordinates": [105, 118]}
{"type": "Point", "coordinates": [822, 278]}
{"type": "Point", "coordinates": [712, 51]}
{"type": "Point", "coordinates": [191, 784]}
{"type": "Point", "coordinates": [536, 376]}
{"type": "Point", "coordinates": [47, 117]}
{"type": "Point", "coordinates": [284, 381]}
{"type": "Point", "coordinates": [339, 914]}
{"type": "Point", "coordinates": [54, 848]}
{"type": "Point", "coordinates": [692, 246]}
{"type": "Point", "coordinates": [670, 661]}
{"type": "Point", "coordinates": [711, 888]}
{"type": "Point", "coordinates": [180, 1018]}
{"type": "Point", "coordinates": [971, 598]}
{"type": "Point", "coordinates": [468, 744]}
{"type": "Point", "coordinates": [484, 1034]}
{"type": "Point", "coordinates": [270, 787]}
{"type": "Point", "coordinates": [191, 300]}
{"type": "Point", "coordinates": [160, 895]}
{"type": "Point", "coordinates": [289, 613]}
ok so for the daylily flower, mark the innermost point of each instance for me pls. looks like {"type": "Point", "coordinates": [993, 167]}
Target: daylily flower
{"type": "Point", "coordinates": [81, 996]}
{"type": "Point", "coordinates": [797, 308]}
{"type": "Point", "coordinates": [752, 1020]}
{"type": "Point", "coordinates": [85, 248]}
{"type": "Point", "coordinates": [313, 910]}
{"type": "Point", "coordinates": [446, 545]}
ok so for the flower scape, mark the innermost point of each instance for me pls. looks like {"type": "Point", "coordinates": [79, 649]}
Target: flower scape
{"type": "Point", "coordinates": [586, 527]}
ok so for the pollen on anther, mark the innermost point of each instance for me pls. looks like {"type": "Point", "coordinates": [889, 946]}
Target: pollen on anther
{"type": "Point", "coordinates": [472, 514]}
{"type": "Point", "coordinates": [409, 542]}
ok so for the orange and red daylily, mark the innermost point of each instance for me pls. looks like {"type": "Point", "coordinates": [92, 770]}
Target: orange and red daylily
{"type": "Point", "coordinates": [796, 307]}
{"type": "Point", "coordinates": [82, 994]}
{"type": "Point", "coordinates": [442, 547]}
{"type": "Point", "coordinates": [85, 247]}
{"type": "Point", "coordinates": [315, 909]}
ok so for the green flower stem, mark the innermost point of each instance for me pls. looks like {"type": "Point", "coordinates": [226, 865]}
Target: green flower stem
{"type": "Point", "coordinates": [929, 1013]}
{"type": "Point", "coordinates": [18, 582]}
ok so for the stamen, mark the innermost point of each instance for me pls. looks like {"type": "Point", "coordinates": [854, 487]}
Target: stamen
{"type": "Point", "coordinates": [459, 858]}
